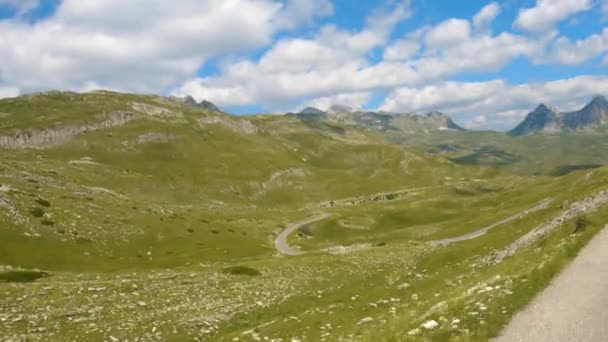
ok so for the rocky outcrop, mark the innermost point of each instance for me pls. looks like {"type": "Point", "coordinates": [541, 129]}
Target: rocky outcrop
{"type": "Point", "coordinates": [237, 125]}
{"type": "Point", "coordinates": [545, 119]}
{"type": "Point", "coordinates": [443, 122]}
{"type": "Point", "coordinates": [203, 104]}
{"type": "Point", "coordinates": [37, 138]}
{"type": "Point", "coordinates": [584, 206]}
{"type": "Point", "coordinates": [381, 121]}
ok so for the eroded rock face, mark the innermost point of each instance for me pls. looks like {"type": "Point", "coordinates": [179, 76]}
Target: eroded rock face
{"type": "Point", "coordinates": [545, 119]}
{"type": "Point", "coordinates": [44, 137]}
{"type": "Point", "coordinates": [381, 121]}
{"type": "Point", "coordinates": [237, 125]}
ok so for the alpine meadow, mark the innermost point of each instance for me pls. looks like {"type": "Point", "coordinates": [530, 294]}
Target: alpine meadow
{"type": "Point", "coordinates": [407, 175]}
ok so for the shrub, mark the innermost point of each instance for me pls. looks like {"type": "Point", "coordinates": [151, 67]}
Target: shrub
{"type": "Point", "coordinates": [43, 202]}
{"type": "Point", "coordinates": [47, 221]}
{"type": "Point", "coordinates": [581, 224]}
{"type": "Point", "coordinates": [37, 211]}
{"type": "Point", "coordinates": [22, 276]}
{"type": "Point", "coordinates": [242, 270]}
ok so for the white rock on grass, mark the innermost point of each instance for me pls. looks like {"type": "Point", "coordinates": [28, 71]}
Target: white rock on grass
{"type": "Point", "coordinates": [365, 320]}
{"type": "Point", "coordinates": [430, 325]}
{"type": "Point", "coordinates": [414, 332]}
{"type": "Point", "coordinates": [404, 286]}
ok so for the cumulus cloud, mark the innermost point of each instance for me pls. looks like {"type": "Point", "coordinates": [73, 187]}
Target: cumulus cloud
{"type": "Point", "coordinates": [144, 46]}
{"type": "Point", "coordinates": [547, 13]}
{"type": "Point", "coordinates": [486, 15]}
{"type": "Point", "coordinates": [448, 33]}
{"type": "Point", "coordinates": [331, 63]}
{"type": "Point", "coordinates": [335, 62]}
{"type": "Point", "coordinates": [401, 50]}
{"type": "Point", "coordinates": [303, 12]}
{"type": "Point", "coordinates": [502, 105]}
{"type": "Point", "coordinates": [354, 100]}
{"type": "Point", "coordinates": [566, 51]}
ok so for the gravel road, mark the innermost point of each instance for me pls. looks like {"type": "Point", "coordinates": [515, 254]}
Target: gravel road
{"type": "Point", "coordinates": [573, 307]}
{"type": "Point", "coordinates": [281, 241]}
{"type": "Point", "coordinates": [473, 235]}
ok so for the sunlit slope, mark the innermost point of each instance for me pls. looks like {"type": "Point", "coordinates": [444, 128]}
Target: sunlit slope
{"type": "Point", "coordinates": [114, 175]}
{"type": "Point", "coordinates": [536, 154]}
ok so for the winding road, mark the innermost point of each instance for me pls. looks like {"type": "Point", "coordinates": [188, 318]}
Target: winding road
{"type": "Point", "coordinates": [573, 307]}
{"type": "Point", "coordinates": [544, 204]}
{"type": "Point", "coordinates": [283, 247]}
{"type": "Point", "coordinates": [281, 240]}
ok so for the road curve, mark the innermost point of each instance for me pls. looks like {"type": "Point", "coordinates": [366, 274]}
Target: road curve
{"type": "Point", "coordinates": [281, 240]}
{"type": "Point", "coordinates": [544, 204]}
{"type": "Point", "coordinates": [573, 307]}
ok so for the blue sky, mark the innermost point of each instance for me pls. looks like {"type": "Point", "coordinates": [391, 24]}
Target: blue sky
{"type": "Point", "coordinates": [486, 63]}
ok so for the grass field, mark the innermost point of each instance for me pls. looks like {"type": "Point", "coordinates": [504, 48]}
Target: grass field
{"type": "Point", "coordinates": [162, 227]}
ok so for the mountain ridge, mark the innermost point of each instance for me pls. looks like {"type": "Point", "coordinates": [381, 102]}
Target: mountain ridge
{"type": "Point", "coordinates": [548, 120]}
{"type": "Point", "coordinates": [381, 120]}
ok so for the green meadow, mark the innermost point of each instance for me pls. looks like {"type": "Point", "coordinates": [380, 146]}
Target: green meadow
{"type": "Point", "coordinates": [162, 226]}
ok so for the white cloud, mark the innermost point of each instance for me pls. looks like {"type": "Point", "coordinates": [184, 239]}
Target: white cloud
{"type": "Point", "coordinates": [565, 51]}
{"type": "Point", "coordinates": [143, 46]}
{"type": "Point", "coordinates": [355, 100]}
{"type": "Point", "coordinates": [303, 12]}
{"type": "Point", "coordinates": [477, 53]}
{"type": "Point", "coordinates": [449, 32]}
{"type": "Point", "coordinates": [401, 50]}
{"type": "Point", "coordinates": [332, 62]}
{"type": "Point", "coordinates": [486, 15]}
{"type": "Point", "coordinates": [547, 13]}
{"type": "Point", "coordinates": [502, 105]}
{"type": "Point", "coordinates": [8, 92]}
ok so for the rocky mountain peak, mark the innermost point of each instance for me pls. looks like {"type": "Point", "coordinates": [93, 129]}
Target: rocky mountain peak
{"type": "Point", "coordinates": [599, 102]}
{"type": "Point", "coordinates": [549, 120]}
{"type": "Point", "coordinates": [203, 104]}
{"type": "Point", "coordinates": [208, 105]}
{"type": "Point", "coordinates": [311, 110]}
{"type": "Point", "coordinates": [190, 100]}
{"type": "Point", "coordinates": [436, 115]}
{"type": "Point", "coordinates": [338, 108]}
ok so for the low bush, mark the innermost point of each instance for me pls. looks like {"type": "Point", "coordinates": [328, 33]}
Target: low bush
{"type": "Point", "coordinates": [43, 202]}
{"type": "Point", "coordinates": [242, 270]}
{"type": "Point", "coordinates": [37, 211]}
{"type": "Point", "coordinates": [22, 276]}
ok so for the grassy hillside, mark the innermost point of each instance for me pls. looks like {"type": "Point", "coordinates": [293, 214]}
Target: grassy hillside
{"type": "Point", "coordinates": [128, 216]}
{"type": "Point", "coordinates": [538, 154]}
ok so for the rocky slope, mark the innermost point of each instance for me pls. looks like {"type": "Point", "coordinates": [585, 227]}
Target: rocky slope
{"type": "Point", "coordinates": [545, 119]}
{"type": "Point", "coordinates": [380, 121]}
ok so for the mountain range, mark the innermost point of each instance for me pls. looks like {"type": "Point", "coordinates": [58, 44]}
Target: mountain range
{"type": "Point", "coordinates": [546, 119]}
{"type": "Point", "coordinates": [380, 121]}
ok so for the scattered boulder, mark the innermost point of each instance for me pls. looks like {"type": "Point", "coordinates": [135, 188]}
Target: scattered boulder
{"type": "Point", "coordinates": [365, 320]}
